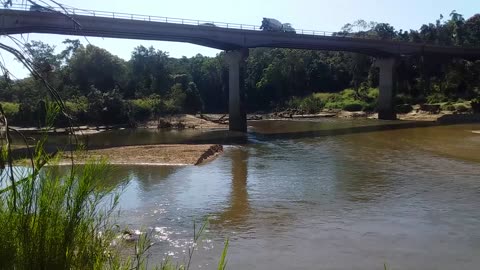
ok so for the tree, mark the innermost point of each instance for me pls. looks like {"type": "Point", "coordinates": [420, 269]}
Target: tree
{"type": "Point", "coordinates": [472, 30]}
{"type": "Point", "coordinates": [149, 72]}
{"type": "Point", "coordinates": [43, 56]}
{"type": "Point", "coordinates": [93, 66]}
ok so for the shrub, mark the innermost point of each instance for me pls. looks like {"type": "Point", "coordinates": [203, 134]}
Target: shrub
{"type": "Point", "coordinates": [78, 108]}
{"type": "Point", "coordinates": [177, 97]}
{"type": "Point", "coordinates": [10, 109]}
{"type": "Point", "coordinates": [448, 107]}
{"type": "Point", "coordinates": [141, 109]}
{"type": "Point", "coordinates": [348, 94]}
{"type": "Point", "coordinates": [373, 93]}
{"type": "Point", "coordinates": [106, 108]}
{"type": "Point", "coordinates": [461, 108]}
{"type": "Point", "coordinates": [347, 99]}
{"type": "Point", "coordinates": [370, 106]}
{"type": "Point", "coordinates": [294, 103]}
{"type": "Point", "coordinates": [436, 98]}
{"type": "Point", "coordinates": [326, 97]}
{"type": "Point", "coordinates": [311, 104]}
{"type": "Point", "coordinates": [333, 105]}
{"type": "Point", "coordinates": [77, 105]}
{"type": "Point", "coordinates": [353, 105]}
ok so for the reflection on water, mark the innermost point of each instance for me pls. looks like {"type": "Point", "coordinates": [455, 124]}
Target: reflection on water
{"type": "Point", "coordinates": [238, 208]}
{"type": "Point", "coordinates": [329, 194]}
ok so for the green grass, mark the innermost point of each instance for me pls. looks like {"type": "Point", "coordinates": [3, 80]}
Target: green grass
{"type": "Point", "coordinates": [53, 221]}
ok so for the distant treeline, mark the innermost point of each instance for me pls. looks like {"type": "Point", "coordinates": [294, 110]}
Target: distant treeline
{"type": "Point", "coordinates": [101, 88]}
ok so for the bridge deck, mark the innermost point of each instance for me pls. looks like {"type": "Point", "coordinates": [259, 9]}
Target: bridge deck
{"type": "Point", "coordinates": [18, 22]}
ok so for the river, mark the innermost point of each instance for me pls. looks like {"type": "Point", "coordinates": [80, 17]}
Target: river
{"type": "Point", "coordinates": [320, 194]}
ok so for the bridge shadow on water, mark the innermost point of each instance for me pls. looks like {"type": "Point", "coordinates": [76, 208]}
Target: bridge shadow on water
{"type": "Point", "coordinates": [264, 130]}
{"type": "Point", "coordinates": [339, 131]}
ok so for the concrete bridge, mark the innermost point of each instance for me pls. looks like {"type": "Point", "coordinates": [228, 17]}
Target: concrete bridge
{"type": "Point", "coordinates": [233, 38]}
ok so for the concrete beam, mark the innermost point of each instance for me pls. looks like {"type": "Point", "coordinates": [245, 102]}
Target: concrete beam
{"type": "Point", "coordinates": [22, 22]}
{"type": "Point", "coordinates": [236, 95]}
{"type": "Point", "coordinates": [386, 98]}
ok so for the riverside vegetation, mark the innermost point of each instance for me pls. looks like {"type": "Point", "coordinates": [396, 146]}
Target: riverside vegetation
{"type": "Point", "coordinates": [103, 89]}
{"type": "Point", "coordinates": [51, 220]}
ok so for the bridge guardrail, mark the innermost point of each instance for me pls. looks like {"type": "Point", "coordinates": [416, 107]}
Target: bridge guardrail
{"type": "Point", "coordinates": [139, 17]}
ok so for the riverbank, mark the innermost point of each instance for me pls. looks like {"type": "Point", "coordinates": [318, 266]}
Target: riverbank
{"type": "Point", "coordinates": [220, 121]}
{"type": "Point", "coordinates": [178, 121]}
{"type": "Point", "coordinates": [415, 115]}
{"type": "Point", "coordinates": [154, 155]}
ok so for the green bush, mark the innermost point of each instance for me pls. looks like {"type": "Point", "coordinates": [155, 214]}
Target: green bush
{"type": "Point", "coordinates": [141, 109]}
{"type": "Point", "coordinates": [353, 105]}
{"type": "Point", "coordinates": [461, 108]}
{"type": "Point", "coordinates": [77, 105]}
{"type": "Point", "coordinates": [11, 109]}
{"type": "Point", "coordinates": [311, 105]}
{"type": "Point", "coordinates": [106, 108]}
{"type": "Point", "coordinates": [436, 98]}
{"type": "Point", "coordinates": [373, 93]}
{"type": "Point", "coordinates": [349, 94]}
{"type": "Point", "coordinates": [370, 106]}
{"type": "Point", "coordinates": [333, 105]}
{"type": "Point", "coordinates": [328, 97]}
{"type": "Point", "coordinates": [78, 109]}
{"type": "Point", "coordinates": [294, 103]}
{"type": "Point", "coordinates": [448, 107]}
{"type": "Point", "coordinates": [177, 98]}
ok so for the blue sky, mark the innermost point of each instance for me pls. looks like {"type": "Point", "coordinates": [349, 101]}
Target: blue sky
{"type": "Point", "coordinates": [325, 15]}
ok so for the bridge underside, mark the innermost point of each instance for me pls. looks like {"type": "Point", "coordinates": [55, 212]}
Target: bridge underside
{"type": "Point", "coordinates": [235, 41]}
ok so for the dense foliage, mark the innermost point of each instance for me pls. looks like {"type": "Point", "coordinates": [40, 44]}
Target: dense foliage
{"type": "Point", "coordinates": [104, 89]}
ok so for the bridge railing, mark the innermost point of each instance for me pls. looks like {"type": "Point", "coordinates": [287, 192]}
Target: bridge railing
{"type": "Point", "coordinates": [139, 17]}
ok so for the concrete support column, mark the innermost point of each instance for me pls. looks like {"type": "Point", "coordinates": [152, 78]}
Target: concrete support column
{"type": "Point", "coordinates": [386, 98]}
{"type": "Point", "coordinates": [236, 96]}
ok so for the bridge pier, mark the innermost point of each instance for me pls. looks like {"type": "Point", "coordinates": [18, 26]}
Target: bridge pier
{"type": "Point", "coordinates": [386, 97]}
{"type": "Point", "coordinates": [236, 96]}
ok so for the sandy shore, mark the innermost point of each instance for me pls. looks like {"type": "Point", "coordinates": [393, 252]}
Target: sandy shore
{"type": "Point", "coordinates": [172, 154]}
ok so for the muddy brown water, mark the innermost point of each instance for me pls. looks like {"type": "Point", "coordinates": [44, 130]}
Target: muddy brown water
{"type": "Point", "coordinates": [320, 194]}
